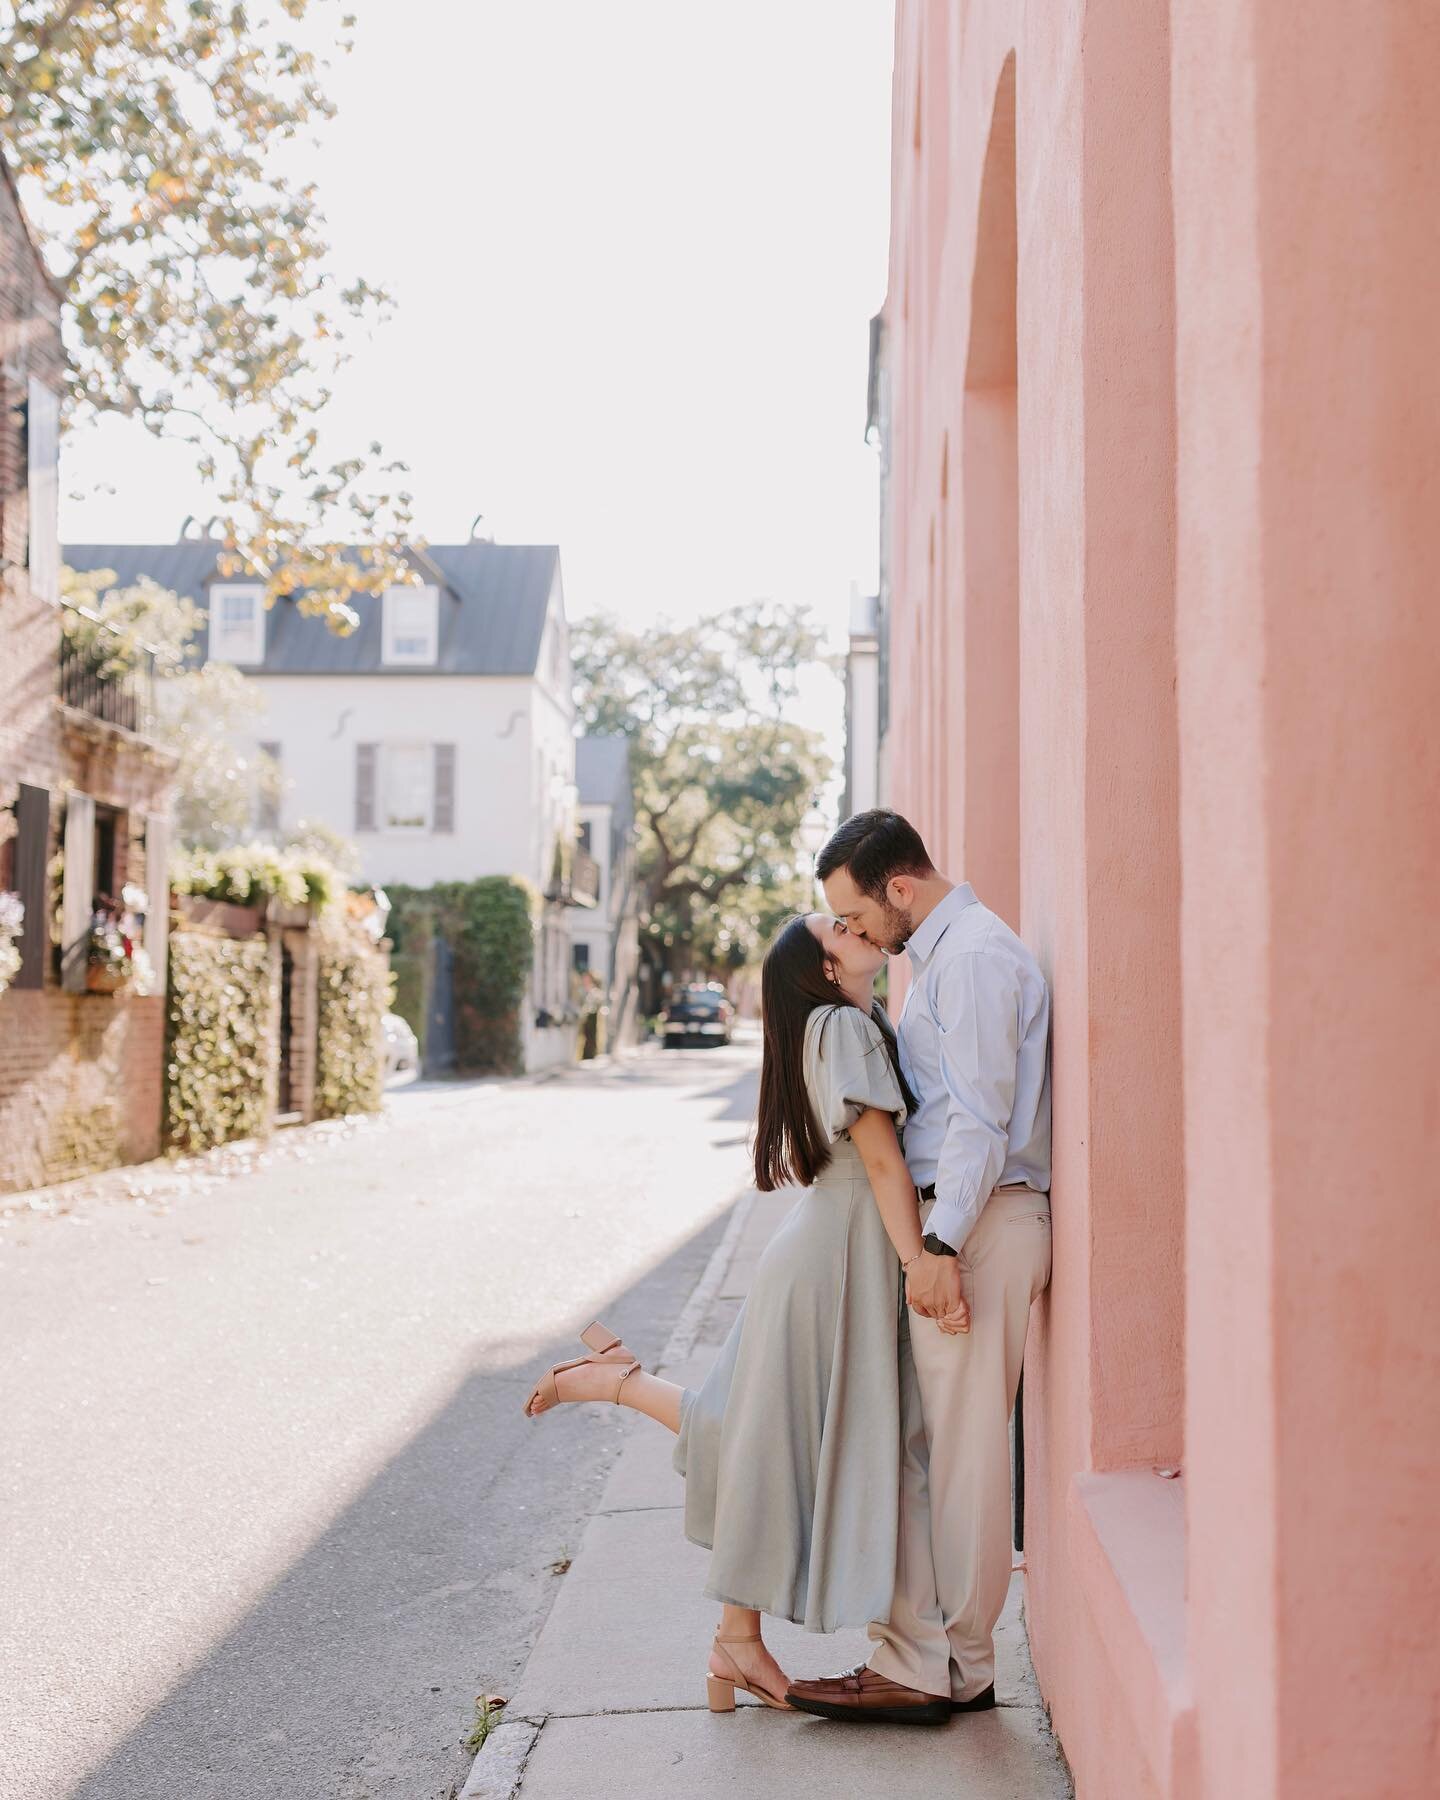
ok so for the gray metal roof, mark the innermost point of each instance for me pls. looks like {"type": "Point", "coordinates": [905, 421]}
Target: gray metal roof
{"type": "Point", "coordinates": [492, 607]}
{"type": "Point", "coordinates": [602, 774]}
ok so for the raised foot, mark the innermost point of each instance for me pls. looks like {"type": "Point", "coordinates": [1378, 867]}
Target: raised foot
{"type": "Point", "coordinates": [589, 1381]}
{"type": "Point", "coordinates": [587, 1378]}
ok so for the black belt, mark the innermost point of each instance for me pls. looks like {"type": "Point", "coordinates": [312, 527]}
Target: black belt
{"type": "Point", "coordinates": [928, 1193]}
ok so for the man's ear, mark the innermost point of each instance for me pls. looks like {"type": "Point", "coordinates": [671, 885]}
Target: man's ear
{"type": "Point", "coordinates": [900, 892]}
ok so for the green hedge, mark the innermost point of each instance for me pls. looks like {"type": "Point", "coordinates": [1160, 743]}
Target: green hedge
{"type": "Point", "coordinates": [490, 926]}
{"type": "Point", "coordinates": [354, 995]}
{"type": "Point", "coordinates": [411, 930]}
{"type": "Point", "coordinates": [219, 1054]}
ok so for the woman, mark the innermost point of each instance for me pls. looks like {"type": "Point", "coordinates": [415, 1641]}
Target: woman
{"type": "Point", "coordinates": [791, 1448]}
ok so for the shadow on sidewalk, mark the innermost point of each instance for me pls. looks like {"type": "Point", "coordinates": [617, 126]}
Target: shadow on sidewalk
{"type": "Point", "coordinates": [354, 1676]}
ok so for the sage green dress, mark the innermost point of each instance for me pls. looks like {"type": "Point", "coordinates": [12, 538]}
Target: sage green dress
{"type": "Point", "coordinates": [791, 1448]}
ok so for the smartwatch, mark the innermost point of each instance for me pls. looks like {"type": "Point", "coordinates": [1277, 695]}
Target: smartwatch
{"type": "Point", "coordinates": [936, 1245]}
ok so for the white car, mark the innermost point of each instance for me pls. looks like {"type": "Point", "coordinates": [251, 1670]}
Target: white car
{"type": "Point", "coordinates": [402, 1052]}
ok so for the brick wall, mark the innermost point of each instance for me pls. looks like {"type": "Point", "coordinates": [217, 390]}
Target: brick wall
{"type": "Point", "coordinates": [80, 1074]}
{"type": "Point", "coordinates": [79, 1084]}
{"type": "Point", "coordinates": [29, 347]}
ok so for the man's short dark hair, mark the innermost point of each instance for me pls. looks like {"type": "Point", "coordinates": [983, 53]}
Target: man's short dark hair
{"type": "Point", "coordinates": [875, 847]}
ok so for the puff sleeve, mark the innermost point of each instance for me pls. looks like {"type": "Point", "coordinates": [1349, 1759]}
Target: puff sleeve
{"type": "Point", "coordinates": [849, 1071]}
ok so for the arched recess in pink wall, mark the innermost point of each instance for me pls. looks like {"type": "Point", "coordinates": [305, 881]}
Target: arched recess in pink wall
{"type": "Point", "coordinates": [985, 644]}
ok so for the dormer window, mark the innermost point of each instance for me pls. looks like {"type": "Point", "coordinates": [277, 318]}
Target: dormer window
{"type": "Point", "coordinates": [411, 626]}
{"type": "Point", "coordinates": [237, 624]}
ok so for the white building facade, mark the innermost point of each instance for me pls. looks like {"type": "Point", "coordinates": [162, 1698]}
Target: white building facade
{"type": "Point", "coordinates": [605, 942]}
{"type": "Point", "coordinates": [862, 706]}
{"type": "Point", "coordinates": [438, 736]}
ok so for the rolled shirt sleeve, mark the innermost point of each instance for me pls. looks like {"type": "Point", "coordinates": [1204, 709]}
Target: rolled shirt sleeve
{"type": "Point", "coordinates": [981, 996]}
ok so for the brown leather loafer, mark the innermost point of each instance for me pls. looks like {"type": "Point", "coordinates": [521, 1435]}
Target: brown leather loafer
{"type": "Point", "coordinates": [983, 1702]}
{"type": "Point", "coordinates": [864, 1696]}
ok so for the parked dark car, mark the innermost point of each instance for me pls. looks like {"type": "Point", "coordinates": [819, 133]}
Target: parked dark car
{"type": "Point", "coordinates": [698, 1015]}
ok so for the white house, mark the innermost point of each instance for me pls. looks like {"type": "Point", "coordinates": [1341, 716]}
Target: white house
{"type": "Point", "coordinates": [605, 942]}
{"type": "Point", "coordinates": [439, 735]}
{"type": "Point", "coordinates": [862, 706]}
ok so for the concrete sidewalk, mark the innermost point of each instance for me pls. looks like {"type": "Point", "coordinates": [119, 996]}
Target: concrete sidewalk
{"type": "Point", "coordinates": [612, 1700]}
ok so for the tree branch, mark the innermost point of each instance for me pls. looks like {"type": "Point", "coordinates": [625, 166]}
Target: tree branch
{"type": "Point", "coordinates": [688, 852]}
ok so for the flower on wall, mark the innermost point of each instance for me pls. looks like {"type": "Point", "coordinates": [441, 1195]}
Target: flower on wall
{"type": "Point", "coordinates": [142, 972]}
{"type": "Point", "coordinates": [117, 961]}
{"type": "Point", "coordinates": [12, 923]}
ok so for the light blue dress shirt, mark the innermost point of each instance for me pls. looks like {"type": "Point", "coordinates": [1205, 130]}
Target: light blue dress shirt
{"type": "Point", "coordinates": [974, 1038]}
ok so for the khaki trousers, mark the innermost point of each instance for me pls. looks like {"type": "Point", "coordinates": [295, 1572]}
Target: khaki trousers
{"type": "Point", "coordinates": [953, 1565]}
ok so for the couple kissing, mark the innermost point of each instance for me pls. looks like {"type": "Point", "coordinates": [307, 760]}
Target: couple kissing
{"type": "Point", "coordinates": [847, 1459]}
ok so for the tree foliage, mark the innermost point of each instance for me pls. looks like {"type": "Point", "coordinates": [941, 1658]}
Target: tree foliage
{"type": "Point", "coordinates": [150, 140]}
{"type": "Point", "coordinates": [200, 714]}
{"type": "Point", "coordinates": [723, 778]}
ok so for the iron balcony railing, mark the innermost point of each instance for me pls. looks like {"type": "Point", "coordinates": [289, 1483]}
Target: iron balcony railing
{"type": "Point", "coordinates": [125, 699]}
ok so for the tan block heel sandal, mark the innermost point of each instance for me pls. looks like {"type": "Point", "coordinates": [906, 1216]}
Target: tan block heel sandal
{"type": "Point", "coordinates": [605, 1348]}
{"type": "Point", "coordinates": [720, 1689]}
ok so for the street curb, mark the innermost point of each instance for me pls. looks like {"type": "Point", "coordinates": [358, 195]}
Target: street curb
{"type": "Point", "coordinates": [604, 1062]}
{"type": "Point", "coordinates": [499, 1766]}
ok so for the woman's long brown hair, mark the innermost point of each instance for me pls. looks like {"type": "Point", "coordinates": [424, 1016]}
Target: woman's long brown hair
{"type": "Point", "coordinates": [790, 1143]}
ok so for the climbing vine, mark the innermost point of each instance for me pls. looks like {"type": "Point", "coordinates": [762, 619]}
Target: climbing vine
{"type": "Point", "coordinates": [490, 927]}
{"type": "Point", "coordinates": [354, 994]}
{"type": "Point", "coordinates": [219, 1053]}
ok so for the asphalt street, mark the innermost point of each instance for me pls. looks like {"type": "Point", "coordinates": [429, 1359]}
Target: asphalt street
{"type": "Point", "coordinates": [272, 1517]}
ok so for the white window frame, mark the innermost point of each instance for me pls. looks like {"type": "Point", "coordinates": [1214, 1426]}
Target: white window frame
{"type": "Point", "coordinates": [410, 642]}
{"type": "Point", "coordinates": [251, 649]}
{"type": "Point", "coordinates": [388, 752]}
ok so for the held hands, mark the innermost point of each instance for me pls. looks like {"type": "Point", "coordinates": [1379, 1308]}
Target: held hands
{"type": "Point", "coordinates": [932, 1289]}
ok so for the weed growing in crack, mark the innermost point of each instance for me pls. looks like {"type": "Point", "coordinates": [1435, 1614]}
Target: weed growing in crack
{"type": "Point", "coordinates": [488, 1708]}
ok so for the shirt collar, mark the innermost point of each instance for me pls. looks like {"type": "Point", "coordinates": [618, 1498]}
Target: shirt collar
{"type": "Point", "coordinates": [928, 933]}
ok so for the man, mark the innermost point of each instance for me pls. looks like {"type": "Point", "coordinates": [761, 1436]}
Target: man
{"type": "Point", "coordinates": [974, 1041]}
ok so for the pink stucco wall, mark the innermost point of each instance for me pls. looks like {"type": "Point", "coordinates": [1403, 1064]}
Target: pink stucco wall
{"type": "Point", "coordinates": [1161, 340]}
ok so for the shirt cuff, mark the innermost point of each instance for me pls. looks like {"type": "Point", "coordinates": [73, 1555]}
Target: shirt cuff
{"type": "Point", "coordinates": [952, 1221]}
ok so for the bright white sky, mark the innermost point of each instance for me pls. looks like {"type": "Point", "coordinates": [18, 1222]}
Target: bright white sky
{"type": "Point", "coordinates": [634, 248]}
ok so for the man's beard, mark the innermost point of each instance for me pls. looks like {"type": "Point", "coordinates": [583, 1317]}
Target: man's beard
{"type": "Point", "coordinates": [897, 930]}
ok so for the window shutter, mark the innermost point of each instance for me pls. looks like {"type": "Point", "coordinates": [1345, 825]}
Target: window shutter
{"type": "Point", "coordinates": [443, 811]}
{"type": "Point", "coordinates": [157, 889]}
{"type": "Point", "coordinates": [120, 860]}
{"type": "Point", "coordinates": [77, 906]}
{"type": "Point", "coordinates": [365, 757]}
{"type": "Point", "coordinates": [268, 808]}
{"type": "Point", "coordinates": [32, 846]}
{"type": "Point", "coordinates": [42, 455]}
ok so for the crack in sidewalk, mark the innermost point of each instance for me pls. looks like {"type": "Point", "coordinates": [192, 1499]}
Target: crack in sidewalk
{"type": "Point", "coordinates": [631, 1712]}
{"type": "Point", "coordinates": [610, 1512]}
